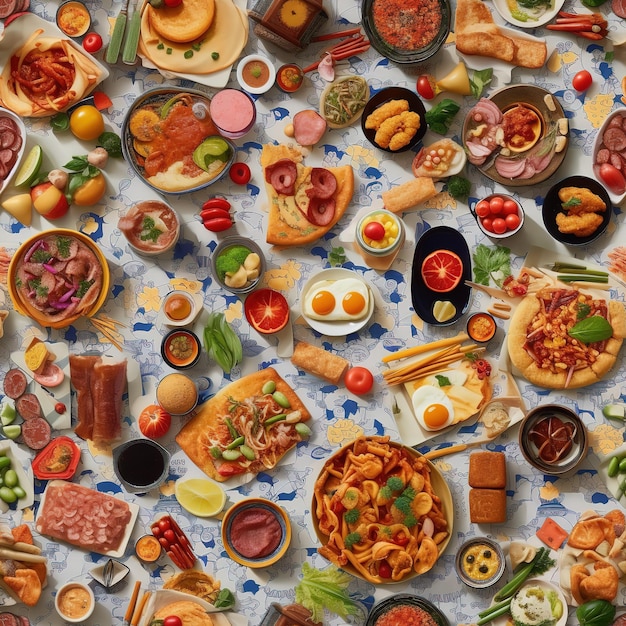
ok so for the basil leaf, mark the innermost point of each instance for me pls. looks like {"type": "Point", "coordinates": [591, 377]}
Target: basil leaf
{"type": "Point", "coordinates": [591, 329]}
{"type": "Point", "coordinates": [60, 122]}
{"type": "Point", "coordinates": [480, 79]}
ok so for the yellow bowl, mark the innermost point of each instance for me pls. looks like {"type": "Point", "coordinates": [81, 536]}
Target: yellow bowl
{"type": "Point", "coordinates": [24, 307]}
{"type": "Point", "coordinates": [329, 481]}
{"type": "Point", "coordinates": [250, 516]}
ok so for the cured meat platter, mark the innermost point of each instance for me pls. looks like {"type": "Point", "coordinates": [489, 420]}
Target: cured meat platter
{"type": "Point", "coordinates": [50, 396]}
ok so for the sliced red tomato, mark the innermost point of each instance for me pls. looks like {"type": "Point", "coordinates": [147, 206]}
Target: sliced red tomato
{"type": "Point", "coordinates": [101, 101]}
{"type": "Point", "coordinates": [172, 620]}
{"type": "Point", "coordinates": [230, 468]}
{"type": "Point", "coordinates": [442, 270]}
{"type": "Point", "coordinates": [154, 422]}
{"type": "Point", "coordinates": [359, 380]}
{"type": "Point", "coordinates": [267, 310]}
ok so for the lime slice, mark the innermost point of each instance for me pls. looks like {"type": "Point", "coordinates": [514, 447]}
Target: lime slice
{"type": "Point", "coordinates": [211, 149]}
{"type": "Point", "coordinates": [200, 496]}
{"type": "Point", "coordinates": [13, 431]}
{"type": "Point", "coordinates": [30, 168]}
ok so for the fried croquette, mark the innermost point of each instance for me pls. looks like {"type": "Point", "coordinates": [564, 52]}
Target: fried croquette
{"type": "Point", "coordinates": [578, 224]}
{"type": "Point", "coordinates": [384, 112]}
{"type": "Point", "coordinates": [581, 200]}
{"type": "Point", "coordinates": [397, 131]}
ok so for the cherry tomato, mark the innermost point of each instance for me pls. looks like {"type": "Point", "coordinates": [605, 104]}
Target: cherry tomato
{"type": "Point", "coordinates": [374, 230]}
{"type": "Point", "coordinates": [216, 203]}
{"type": "Point", "coordinates": [487, 224]}
{"type": "Point", "coordinates": [172, 620]}
{"type": "Point", "coordinates": [86, 122]}
{"type": "Point", "coordinates": [169, 535]}
{"type": "Point", "coordinates": [512, 221]}
{"type": "Point", "coordinates": [60, 408]}
{"type": "Point", "coordinates": [582, 80]}
{"type": "Point", "coordinates": [217, 225]}
{"type": "Point", "coordinates": [612, 178]}
{"type": "Point", "coordinates": [482, 209]}
{"type": "Point", "coordinates": [426, 87]}
{"type": "Point", "coordinates": [359, 380]}
{"type": "Point", "coordinates": [499, 226]}
{"type": "Point", "coordinates": [156, 531]}
{"type": "Point", "coordinates": [211, 214]}
{"type": "Point", "coordinates": [164, 542]}
{"type": "Point", "coordinates": [509, 207]}
{"type": "Point", "coordinates": [91, 191]}
{"type": "Point", "coordinates": [496, 204]}
{"type": "Point", "coordinates": [92, 42]}
{"type": "Point", "coordinates": [384, 569]}
{"type": "Point", "coordinates": [239, 173]}
{"type": "Point", "coordinates": [164, 524]}
{"type": "Point", "coordinates": [154, 422]}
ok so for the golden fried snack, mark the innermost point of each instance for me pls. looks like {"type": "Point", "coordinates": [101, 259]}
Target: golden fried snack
{"type": "Point", "coordinates": [578, 224]}
{"type": "Point", "coordinates": [385, 111]}
{"type": "Point", "coordinates": [398, 131]}
{"type": "Point", "coordinates": [409, 195]}
{"type": "Point", "coordinates": [319, 362]}
{"type": "Point", "coordinates": [601, 584]}
{"type": "Point", "coordinates": [589, 533]}
{"type": "Point", "coordinates": [581, 200]}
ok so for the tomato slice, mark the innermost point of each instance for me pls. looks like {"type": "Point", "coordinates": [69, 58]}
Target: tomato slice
{"type": "Point", "coordinates": [267, 310]}
{"type": "Point", "coordinates": [442, 270]}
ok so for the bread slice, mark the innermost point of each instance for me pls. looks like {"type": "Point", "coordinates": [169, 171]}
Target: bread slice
{"type": "Point", "coordinates": [487, 470]}
{"type": "Point", "coordinates": [487, 506]}
{"type": "Point", "coordinates": [471, 12]}
{"type": "Point", "coordinates": [287, 225]}
{"type": "Point", "coordinates": [486, 44]}
{"type": "Point", "coordinates": [528, 53]}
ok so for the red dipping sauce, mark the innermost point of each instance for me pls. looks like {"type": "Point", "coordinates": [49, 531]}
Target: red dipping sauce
{"type": "Point", "coordinates": [407, 615]}
{"type": "Point", "coordinates": [255, 532]}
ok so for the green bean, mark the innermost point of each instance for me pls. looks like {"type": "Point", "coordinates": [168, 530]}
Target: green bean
{"type": "Point", "coordinates": [231, 455]}
{"type": "Point", "coordinates": [275, 418]}
{"type": "Point", "coordinates": [503, 610]}
{"type": "Point", "coordinates": [5, 461]}
{"type": "Point", "coordinates": [236, 443]}
{"type": "Point", "coordinates": [281, 399]}
{"type": "Point", "coordinates": [7, 495]}
{"type": "Point", "coordinates": [248, 452]}
{"type": "Point", "coordinates": [613, 467]}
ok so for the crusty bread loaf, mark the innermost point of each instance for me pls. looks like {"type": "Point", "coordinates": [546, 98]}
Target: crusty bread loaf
{"type": "Point", "coordinates": [319, 362]}
{"type": "Point", "coordinates": [487, 470]}
{"type": "Point", "coordinates": [487, 506]}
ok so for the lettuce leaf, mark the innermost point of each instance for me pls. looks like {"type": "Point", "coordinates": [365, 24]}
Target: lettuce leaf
{"type": "Point", "coordinates": [325, 589]}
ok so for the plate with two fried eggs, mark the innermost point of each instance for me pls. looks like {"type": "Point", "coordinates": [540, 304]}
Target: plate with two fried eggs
{"type": "Point", "coordinates": [337, 302]}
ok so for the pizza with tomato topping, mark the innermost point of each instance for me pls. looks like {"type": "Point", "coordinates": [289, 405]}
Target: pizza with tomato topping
{"type": "Point", "coordinates": [565, 338]}
{"type": "Point", "coordinates": [304, 202]}
{"type": "Point", "coordinates": [246, 427]}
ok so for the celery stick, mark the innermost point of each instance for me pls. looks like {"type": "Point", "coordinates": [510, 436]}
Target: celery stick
{"type": "Point", "coordinates": [132, 38]}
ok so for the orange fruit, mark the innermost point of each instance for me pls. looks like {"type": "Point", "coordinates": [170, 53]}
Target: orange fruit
{"type": "Point", "coordinates": [267, 310]}
{"type": "Point", "coordinates": [442, 270]}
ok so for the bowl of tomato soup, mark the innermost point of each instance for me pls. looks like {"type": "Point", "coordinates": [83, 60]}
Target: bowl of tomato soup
{"type": "Point", "coordinates": [407, 609]}
{"type": "Point", "coordinates": [407, 34]}
{"type": "Point", "coordinates": [151, 227]}
{"type": "Point", "coordinates": [256, 532]}
{"type": "Point", "coordinates": [255, 74]}
{"type": "Point", "coordinates": [180, 348]}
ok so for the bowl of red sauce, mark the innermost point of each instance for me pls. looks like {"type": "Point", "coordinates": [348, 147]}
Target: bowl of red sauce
{"type": "Point", "coordinates": [289, 77]}
{"type": "Point", "coordinates": [407, 34]}
{"type": "Point", "coordinates": [256, 532]}
{"type": "Point", "coordinates": [405, 608]}
{"type": "Point", "coordinates": [553, 439]}
{"type": "Point", "coordinates": [181, 348]}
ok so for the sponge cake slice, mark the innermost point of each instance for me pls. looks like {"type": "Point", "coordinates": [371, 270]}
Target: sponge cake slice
{"type": "Point", "coordinates": [184, 22]}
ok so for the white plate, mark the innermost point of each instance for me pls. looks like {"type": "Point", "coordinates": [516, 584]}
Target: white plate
{"type": "Point", "coordinates": [16, 35]}
{"type": "Point", "coordinates": [134, 512]}
{"type": "Point", "coordinates": [49, 396]}
{"type": "Point", "coordinates": [215, 79]}
{"type": "Point", "coordinates": [502, 7]}
{"type": "Point", "coordinates": [25, 477]}
{"type": "Point", "coordinates": [341, 328]}
{"type": "Point", "coordinates": [544, 584]}
{"type": "Point", "coordinates": [597, 144]}
{"type": "Point", "coordinates": [20, 153]}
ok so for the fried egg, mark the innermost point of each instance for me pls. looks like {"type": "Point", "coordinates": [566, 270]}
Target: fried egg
{"type": "Point", "coordinates": [432, 407]}
{"type": "Point", "coordinates": [337, 300]}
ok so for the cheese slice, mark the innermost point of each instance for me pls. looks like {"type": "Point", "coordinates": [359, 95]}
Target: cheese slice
{"type": "Point", "coordinates": [36, 355]}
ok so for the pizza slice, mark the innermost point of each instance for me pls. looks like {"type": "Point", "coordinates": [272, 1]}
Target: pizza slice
{"type": "Point", "coordinates": [304, 202]}
{"type": "Point", "coordinates": [246, 427]}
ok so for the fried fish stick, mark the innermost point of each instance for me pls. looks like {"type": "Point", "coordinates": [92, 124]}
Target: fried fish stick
{"type": "Point", "coordinates": [384, 112]}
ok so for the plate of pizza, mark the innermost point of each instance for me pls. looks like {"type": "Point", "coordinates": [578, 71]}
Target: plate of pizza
{"type": "Point", "coordinates": [246, 427]}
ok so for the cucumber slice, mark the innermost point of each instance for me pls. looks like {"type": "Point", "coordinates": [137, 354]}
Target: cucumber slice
{"type": "Point", "coordinates": [7, 414]}
{"type": "Point", "coordinates": [614, 411]}
{"type": "Point", "coordinates": [13, 431]}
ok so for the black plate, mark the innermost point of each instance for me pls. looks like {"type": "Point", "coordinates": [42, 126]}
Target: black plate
{"type": "Point", "coordinates": [408, 600]}
{"type": "Point", "coordinates": [552, 206]}
{"type": "Point", "coordinates": [399, 55]}
{"type": "Point", "coordinates": [395, 93]}
{"type": "Point", "coordinates": [440, 238]}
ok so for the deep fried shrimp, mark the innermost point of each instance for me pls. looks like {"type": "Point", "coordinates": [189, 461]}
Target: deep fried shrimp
{"type": "Point", "coordinates": [397, 131]}
{"type": "Point", "coordinates": [580, 225]}
{"type": "Point", "coordinates": [384, 112]}
{"type": "Point", "coordinates": [581, 200]}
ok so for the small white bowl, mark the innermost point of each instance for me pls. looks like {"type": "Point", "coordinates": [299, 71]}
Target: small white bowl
{"type": "Point", "coordinates": [119, 571]}
{"type": "Point", "coordinates": [268, 74]}
{"type": "Point", "coordinates": [84, 595]}
{"type": "Point", "coordinates": [196, 304]}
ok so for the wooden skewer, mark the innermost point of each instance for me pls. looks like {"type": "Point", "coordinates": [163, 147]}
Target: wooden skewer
{"type": "Point", "coordinates": [140, 608]}
{"type": "Point", "coordinates": [133, 601]}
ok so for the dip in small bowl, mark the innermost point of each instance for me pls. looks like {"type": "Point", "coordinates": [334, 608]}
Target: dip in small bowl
{"type": "Point", "coordinates": [151, 227]}
{"type": "Point", "coordinates": [480, 562]}
{"type": "Point", "coordinates": [75, 602]}
{"type": "Point", "coordinates": [256, 74]}
{"type": "Point", "coordinates": [180, 349]}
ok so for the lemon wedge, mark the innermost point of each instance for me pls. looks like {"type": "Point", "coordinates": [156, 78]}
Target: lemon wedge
{"type": "Point", "coordinates": [443, 310]}
{"type": "Point", "coordinates": [200, 496]}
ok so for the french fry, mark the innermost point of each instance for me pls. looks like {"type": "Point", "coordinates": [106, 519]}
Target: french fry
{"type": "Point", "coordinates": [427, 347]}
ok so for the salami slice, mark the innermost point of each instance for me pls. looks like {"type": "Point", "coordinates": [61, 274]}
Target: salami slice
{"type": "Point", "coordinates": [15, 383]}
{"type": "Point", "coordinates": [7, 7]}
{"type": "Point", "coordinates": [28, 406]}
{"type": "Point", "coordinates": [619, 8]}
{"type": "Point", "coordinates": [36, 433]}
{"type": "Point", "coordinates": [8, 619]}
{"type": "Point", "coordinates": [51, 376]}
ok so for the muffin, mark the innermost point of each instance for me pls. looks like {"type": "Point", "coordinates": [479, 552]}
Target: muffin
{"type": "Point", "coordinates": [177, 394]}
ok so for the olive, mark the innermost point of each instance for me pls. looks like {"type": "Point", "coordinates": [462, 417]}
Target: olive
{"type": "Point", "coordinates": [469, 558]}
{"type": "Point", "coordinates": [483, 569]}
{"type": "Point", "coordinates": [487, 554]}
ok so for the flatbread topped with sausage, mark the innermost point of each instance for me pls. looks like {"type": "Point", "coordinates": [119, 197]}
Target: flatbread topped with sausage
{"type": "Point", "coordinates": [304, 202]}
{"type": "Point", "coordinates": [247, 427]}
{"type": "Point", "coordinates": [563, 338]}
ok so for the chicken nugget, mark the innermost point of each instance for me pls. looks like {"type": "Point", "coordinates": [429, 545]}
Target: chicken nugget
{"type": "Point", "coordinates": [578, 224]}
{"type": "Point", "coordinates": [581, 200]}
{"type": "Point", "coordinates": [397, 131]}
{"type": "Point", "coordinates": [384, 112]}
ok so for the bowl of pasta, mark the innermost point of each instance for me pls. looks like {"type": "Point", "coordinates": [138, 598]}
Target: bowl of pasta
{"type": "Point", "coordinates": [381, 511]}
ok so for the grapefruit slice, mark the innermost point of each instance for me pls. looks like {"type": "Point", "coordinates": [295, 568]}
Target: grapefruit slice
{"type": "Point", "coordinates": [267, 310]}
{"type": "Point", "coordinates": [442, 270]}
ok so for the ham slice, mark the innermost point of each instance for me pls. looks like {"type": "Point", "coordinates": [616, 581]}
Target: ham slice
{"type": "Point", "coordinates": [99, 382]}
